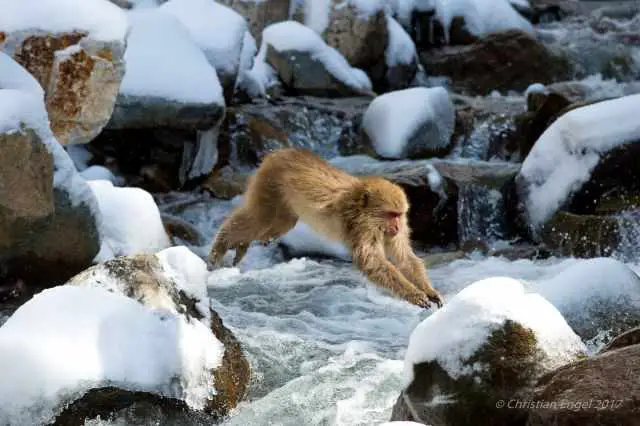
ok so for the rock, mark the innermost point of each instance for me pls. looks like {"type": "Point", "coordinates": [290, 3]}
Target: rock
{"type": "Point", "coordinates": [433, 215]}
{"type": "Point", "coordinates": [601, 390]}
{"type": "Point", "coordinates": [410, 123]}
{"type": "Point", "coordinates": [327, 127]}
{"type": "Point", "coordinates": [628, 338]}
{"type": "Point", "coordinates": [260, 15]}
{"type": "Point", "coordinates": [174, 279]}
{"type": "Point", "coordinates": [179, 230]}
{"type": "Point", "coordinates": [154, 92]}
{"type": "Point", "coordinates": [501, 347]}
{"type": "Point", "coordinates": [48, 217]}
{"type": "Point", "coordinates": [571, 171]}
{"type": "Point", "coordinates": [80, 68]}
{"type": "Point", "coordinates": [219, 31]}
{"type": "Point", "coordinates": [509, 60]}
{"type": "Point", "coordinates": [226, 182]}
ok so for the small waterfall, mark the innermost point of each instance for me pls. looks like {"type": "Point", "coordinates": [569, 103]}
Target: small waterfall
{"type": "Point", "coordinates": [629, 235]}
{"type": "Point", "coordinates": [481, 214]}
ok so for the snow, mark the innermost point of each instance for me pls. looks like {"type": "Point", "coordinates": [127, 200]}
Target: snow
{"type": "Point", "coordinates": [304, 240]}
{"type": "Point", "coordinates": [103, 20]}
{"type": "Point", "coordinates": [535, 88]}
{"type": "Point", "coordinates": [131, 221]}
{"type": "Point", "coordinates": [99, 173]}
{"type": "Point", "coordinates": [393, 118]}
{"type": "Point", "coordinates": [163, 61]}
{"type": "Point", "coordinates": [80, 156]}
{"type": "Point", "coordinates": [564, 156]}
{"type": "Point", "coordinates": [187, 270]}
{"type": "Point", "coordinates": [316, 14]}
{"type": "Point", "coordinates": [291, 35]}
{"type": "Point", "coordinates": [247, 54]}
{"type": "Point", "coordinates": [68, 339]}
{"type": "Point", "coordinates": [453, 333]}
{"type": "Point", "coordinates": [14, 76]}
{"type": "Point", "coordinates": [401, 49]}
{"type": "Point", "coordinates": [217, 29]}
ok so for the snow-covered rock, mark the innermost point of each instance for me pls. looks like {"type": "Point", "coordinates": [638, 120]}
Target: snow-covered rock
{"type": "Point", "coordinates": [75, 52]}
{"type": "Point", "coordinates": [49, 217]}
{"type": "Point", "coordinates": [218, 30]}
{"type": "Point", "coordinates": [490, 342]}
{"type": "Point", "coordinates": [565, 155]}
{"type": "Point", "coordinates": [600, 295]}
{"type": "Point", "coordinates": [132, 222]}
{"type": "Point", "coordinates": [305, 63]}
{"type": "Point", "coordinates": [260, 14]}
{"type": "Point", "coordinates": [99, 173]}
{"type": "Point", "coordinates": [168, 80]}
{"type": "Point", "coordinates": [410, 123]}
{"type": "Point", "coordinates": [401, 59]}
{"type": "Point", "coordinates": [137, 324]}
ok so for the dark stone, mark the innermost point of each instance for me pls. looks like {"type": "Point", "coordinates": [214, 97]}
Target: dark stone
{"type": "Point", "coordinates": [628, 338]}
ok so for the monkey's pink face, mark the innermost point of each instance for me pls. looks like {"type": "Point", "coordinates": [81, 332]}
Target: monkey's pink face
{"type": "Point", "coordinates": [393, 223]}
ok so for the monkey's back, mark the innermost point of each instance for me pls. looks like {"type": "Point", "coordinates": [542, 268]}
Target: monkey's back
{"type": "Point", "coordinates": [306, 183]}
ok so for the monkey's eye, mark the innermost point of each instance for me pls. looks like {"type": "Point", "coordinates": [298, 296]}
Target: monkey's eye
{"type": "Point", "coordinates": [392, 215]}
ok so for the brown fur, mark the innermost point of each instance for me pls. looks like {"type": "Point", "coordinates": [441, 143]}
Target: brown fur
{"type": "Point", "coordinates": [292, 184]}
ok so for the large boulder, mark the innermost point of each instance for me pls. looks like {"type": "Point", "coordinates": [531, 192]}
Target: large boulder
{"type": "Point", "coordinates": [260, 14]}
{"type": "Point", "coordinates": [410, 123]}
{"type": "Point", "coordinates": [78, 60]}
{"type": "Point", "coordinates": [132, 325]}
{"type": "Point", "coordinates": [601, 390]}
{"type": "Point", "coordinates": [306, 65]}
{"type": "Point", "coordinates": [482, 351]}
{"type": "Point", "coordinates": [49, 218]}
{"type": "Point", "coordinates": [509, 60]}
{"type": "Point", "coordinates": [585, 166]}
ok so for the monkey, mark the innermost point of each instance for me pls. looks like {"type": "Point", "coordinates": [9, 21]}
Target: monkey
{"type": "Point", "coordinates": [367, 214]}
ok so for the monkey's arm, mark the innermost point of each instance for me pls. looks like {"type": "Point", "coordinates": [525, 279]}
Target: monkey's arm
{"type": "Point", "coordinates": [412, 267]}
{"type": "Point", "coordinates": [370, 258]}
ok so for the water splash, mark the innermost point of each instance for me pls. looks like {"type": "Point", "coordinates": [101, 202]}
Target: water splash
{"type": "Point", "coordinates": [481, 214]}
{"type": "Point", "coordinates": [628, 222]}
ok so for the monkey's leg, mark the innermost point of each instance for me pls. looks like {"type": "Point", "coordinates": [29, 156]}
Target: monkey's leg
{"type": "Point", "coordinates": [373, 263]}
{"type": "Point", "coordinates": [236, 232]}
{"type": "Point", "coordinates": [412, 267]}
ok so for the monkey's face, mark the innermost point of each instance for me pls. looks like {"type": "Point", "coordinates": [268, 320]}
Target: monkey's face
{"type": "Point", "coordinates": [393, 223]}
{"type": "Point", "coordinates": [386, 206]}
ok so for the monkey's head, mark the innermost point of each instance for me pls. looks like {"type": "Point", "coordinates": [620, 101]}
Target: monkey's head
{"type": "Point", "coordinates": [385, 205]}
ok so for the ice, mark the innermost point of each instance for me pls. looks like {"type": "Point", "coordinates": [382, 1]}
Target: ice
{"type": "Point", "coordinates": [392, 119]}
{"type": "Point", "coordinates": [163, 61]}
{"type": "Point", "coordinates": [217, 29]}
{"type": "Point", "coordinates": [14, 76]}
{"type": "Point", "coordinates": [68, 339]}
{"type": "Point", "coordinates": [563, 157]}
{"type": "Point", "coordinates": [458, 329]}
{"type": "Point", "coordinates": [101, 19]}
{"type": "Point", "coordinates": [131, 221]}
{"type": "Point", "coordinates": [247, 54]}
{"type": "Point", "coordinates": [401, 49]}
{"type": "Point", "coordinates": [291, 35]}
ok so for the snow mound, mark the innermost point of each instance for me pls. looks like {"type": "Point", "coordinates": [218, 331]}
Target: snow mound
{"type": "Point", "coordinates": [401, 49]}
{"type": "Point", "coordinates": [187, 270]}
{"type": "Point", "coordinates": [293, 36]}
{"type": "Point", "coordinates": [454, 332]}
{"type": "Point", "coordinates": [564, 156]}
{"type": "Point", "coordinates": [101, 19]}
{"type": "Point", "coordinates": [131, 221]}
{"type": "Point", "coordinates": [304, 240]}
{"type": "Point", "coordinates": [393, 120]}
{"type": "Point", "coordinates": [217, 29]}
{"type": "Point", "coordinates": [14, 76]}
{"type": "Point", "coordinates": [99, 173]}
{"type": "Point", "coordinates": [69, 339]}
{"type": "Point", "coordinates": [163, 61]}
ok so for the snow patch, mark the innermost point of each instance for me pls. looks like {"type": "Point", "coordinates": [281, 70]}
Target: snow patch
{"type": "Point", "coordinates": [14, 76]}
{"type": "Point", "coordinates": [401, 49]}
{"type": "Point", "coordinates": [564, 156]}
{"type": "Point", "coordinates": [453, 333]}
{"type": "Point", "coordinates": [218, 30]}
{"type": "Point", "coordinates": [131, 221]}
{"type": "Point", "coordinates": [96, 172]}
{"type": "Point", "coordinates": [163, 61]}
{"type": "Point", "coordinates": [291, 35]}
{"type": "Point", "coordinates": [392, 119]}
{"type": "Point", "coordinates": [69, 339]}
{"type": "Point", "coordinates": [316, 14]}
{"type": "Point", "coordinates": [188, 271]}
